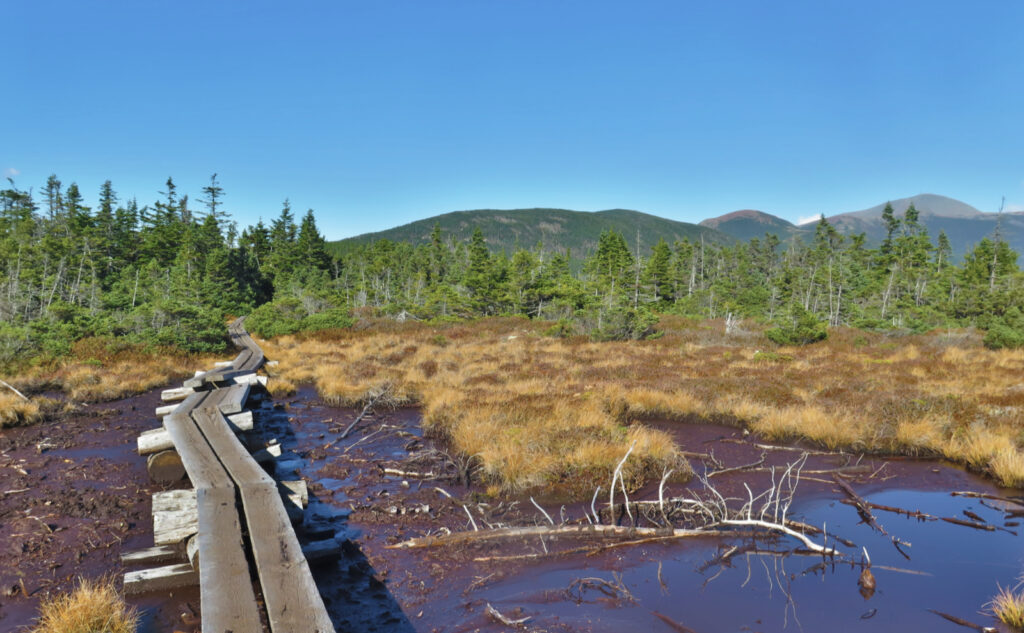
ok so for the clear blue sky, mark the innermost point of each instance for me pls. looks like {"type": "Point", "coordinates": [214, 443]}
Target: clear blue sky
{"type": "Point", "coordinates": [377, 113]}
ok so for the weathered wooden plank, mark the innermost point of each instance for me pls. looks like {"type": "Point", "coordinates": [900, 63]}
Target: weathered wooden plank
{"type": "Point", "coordinates": [175, 526]}
{"type": "Point", "coordinates": [161, 579]}
{"type": "Point", "coordinates": [250, 379]}
{"type": "Point", "coordinates": [176, 395]}
{"type": "Point", "coordinates": [226, 593]}
{"type": "Point", "coordinates": [152, 555]}
{"type": "Point", "coordinates": [228, 600]}
{"type": "Point", "coordinates": [233, 400]}
{"type": "Point", "coordinates": [321, 550]}
{"type": "Point", "coordinates": [297, 491]}
{"type": "Point", "coordinates": [167, 409]}
{"type": "Point", "coordinates": [241, 421]}
{"type": "Point", "coordinates": [291, 597]}
{"type": "Point", "coordinates": [173, 500]}
{"type": "Point", "coordinates": [156, 440]}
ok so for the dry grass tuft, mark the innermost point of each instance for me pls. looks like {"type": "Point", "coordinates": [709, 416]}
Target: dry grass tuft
{"type": "Point", "coordinates": [1008, 606]}
{"type": "Point", "coordinates": [278, 386]}
{"type": "Point", "coordinates": [93, 607]}
{"type": "Point", "coordinates": [1008, 467]}
{"type": "Point", "coordinates": [15, 411]}
{"type": "Point", "coordinates": [101, 370]}
{"type": "Point", "coordinates": [538, 411]}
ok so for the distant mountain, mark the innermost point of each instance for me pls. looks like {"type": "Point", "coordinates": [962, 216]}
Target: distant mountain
{"type": "Point", "coordinates": [560, 229]}
{"type": "Point", "coordinates": [556, 229]}
{"type": "Point", "coordinates": [964, 225]}
{"type": "Point", "coordinates": [746, 224]}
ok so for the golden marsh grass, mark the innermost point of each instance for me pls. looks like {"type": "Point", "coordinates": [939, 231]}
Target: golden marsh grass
{"type": "Point", "coordinates": [542, 411]}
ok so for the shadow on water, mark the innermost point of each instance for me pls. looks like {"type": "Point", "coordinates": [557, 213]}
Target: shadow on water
{"type": "Point", "coordinates": [356, 597]}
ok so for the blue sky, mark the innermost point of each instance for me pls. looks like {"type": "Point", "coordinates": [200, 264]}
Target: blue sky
{"type": "Point", "coordinates": [378, 113]}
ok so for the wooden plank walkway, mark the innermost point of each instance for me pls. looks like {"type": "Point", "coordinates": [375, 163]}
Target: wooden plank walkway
{"type": "Point", "coordinates": [223, 474]}
{"type": "Point", "coordinates": [226, 594]}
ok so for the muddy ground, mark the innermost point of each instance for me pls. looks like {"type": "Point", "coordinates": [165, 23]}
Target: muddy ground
{"type": "Point", "coordinates": [79, 495]}
{"type": "Point", "coordinates": [74, 494]}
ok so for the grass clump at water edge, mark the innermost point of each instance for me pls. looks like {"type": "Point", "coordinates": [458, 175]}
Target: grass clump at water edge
{"type": "Point", "coordinates": [1008, 606]}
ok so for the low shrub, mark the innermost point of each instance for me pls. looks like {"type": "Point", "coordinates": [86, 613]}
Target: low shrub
{"type": "Point", "coordinates": [802, 328]}
{"type": "Point", "coordinates": [1006, 332]}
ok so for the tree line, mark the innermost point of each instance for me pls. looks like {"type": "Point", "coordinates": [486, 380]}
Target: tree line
{"type": "Point", "coordinates": [169, 272]}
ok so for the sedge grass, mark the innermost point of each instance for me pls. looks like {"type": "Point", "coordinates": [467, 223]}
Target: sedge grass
{"type": "Point", "coordinates": [540, 411]}
{"type": "Point", "coordinates": [1008, 606]}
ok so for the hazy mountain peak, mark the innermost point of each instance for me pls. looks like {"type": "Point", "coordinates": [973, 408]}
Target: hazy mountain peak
{"type": "Point", "coordinates": [928, 204]}
{"type": "Point", "coordinates": [748, 215]}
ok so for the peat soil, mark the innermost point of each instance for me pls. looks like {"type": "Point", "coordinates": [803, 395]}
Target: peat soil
{"type": "Point", "coordinates": [704, 584]}
{"type": "Point", "coordinates": [74, 494]}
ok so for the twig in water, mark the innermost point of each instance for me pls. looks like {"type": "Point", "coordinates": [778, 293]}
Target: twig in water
{"type": "Point", "coordinates": [475, 528]}
{"type": "Point", "coordinates": [491, 611]}
{"type": "Point", "coordinates": [963, 622]}
{"type": "Point", "coordinates": [738, 468]}
{"type": "Point", "coordinates": [615, 477]}
{"type": "Point", "coordinates": [546, 515]}
{"type": "Point", "coordinates": [672, 624]}
{"type": "Point", "coordinates": [612, 590]}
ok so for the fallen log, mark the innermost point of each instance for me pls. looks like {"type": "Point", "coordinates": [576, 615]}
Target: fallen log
{"type": "Point", "coordinates": [570, 531]}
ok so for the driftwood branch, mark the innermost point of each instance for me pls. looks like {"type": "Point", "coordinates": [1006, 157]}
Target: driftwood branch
{"type": "Point", "coordinates": [862, 506]}
{"type": "Point", "coordinates": [383, 395]}
{"type": "Point", "coordinates": [983, 495]}
{"type": "Point", "coordinates": [963, 622]}
{"type": "Point", "coordinates": [494, 613]}
{"type": "Point", "coordinates": [23, 396]}
{"type": "Point", "coordinates": [605, 531]}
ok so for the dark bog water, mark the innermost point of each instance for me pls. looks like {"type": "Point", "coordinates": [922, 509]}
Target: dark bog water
{"type": "Point", "coordinates": [682, 585]}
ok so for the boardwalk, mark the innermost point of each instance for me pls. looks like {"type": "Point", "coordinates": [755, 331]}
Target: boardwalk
{"type": "Point", "coordinates": [238, 506]}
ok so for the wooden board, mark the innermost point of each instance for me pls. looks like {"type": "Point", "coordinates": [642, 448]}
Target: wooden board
{"type": "Point", "coordinates": [156, 440]}
{"type": "Point", "coordinates": [172, 500]}
{"type": "Point", "coordinates": [233, 399]}
{"type": "Point", "coordinates": [228, 600]}
{"type": "Point", "coordinates": [161, 579]}
{"type": "Point", "coordinates": [290, 594]}
{"type": "Point", "coordinates": [153, 555]}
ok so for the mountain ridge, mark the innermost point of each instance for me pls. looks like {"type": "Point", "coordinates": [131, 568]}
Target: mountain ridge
{"type": "Point", "coordinates": [578, 231]}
